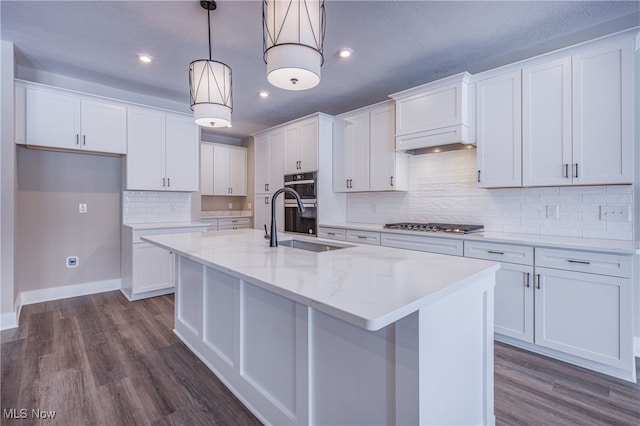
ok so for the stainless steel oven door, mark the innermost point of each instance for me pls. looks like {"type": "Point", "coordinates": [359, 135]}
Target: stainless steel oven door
{"type": "Point", "coordinates": [304, 184]}
{"type": "Point", "coordinates": [301, 223]}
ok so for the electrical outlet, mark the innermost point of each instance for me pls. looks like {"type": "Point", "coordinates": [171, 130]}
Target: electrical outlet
{"type": "Point", "coordinates": [249, 206]}
{"type": "Point", "coordinates": [82, 208]}
{"type": "Point", "coordinates": [615, 213]}
{"type": "Point", "coordinates": [230, 205]}
{"type": "Point", "coordinates": [553, 212]}
{"type": "Point", "coordinates": [72, 261]}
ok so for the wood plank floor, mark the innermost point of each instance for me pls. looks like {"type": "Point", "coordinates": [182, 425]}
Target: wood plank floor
{"type": "Point", "coordinates": [101, 360]}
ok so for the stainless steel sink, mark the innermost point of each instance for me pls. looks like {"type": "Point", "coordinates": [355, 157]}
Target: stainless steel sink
{"type": "Point", "coordinates": [311, 246]}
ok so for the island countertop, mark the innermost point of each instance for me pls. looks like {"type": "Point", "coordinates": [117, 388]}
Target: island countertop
{"type": "Point", "coordinates": [368, 286]}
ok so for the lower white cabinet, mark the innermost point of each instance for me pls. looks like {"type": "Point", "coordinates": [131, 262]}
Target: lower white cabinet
{"type": "Point", "coordinates": [363, 237]}
{"type": "Point", "coordinates": [418, 242]}
{"type": "Point", "coordinates": [234, 223]}
{"type": "Point", "coordinates": [332, 233]}
{"type": "Point", "coordinates": [146, 269]}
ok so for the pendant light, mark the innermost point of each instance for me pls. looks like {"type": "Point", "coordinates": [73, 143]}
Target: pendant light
{"type": "Point", "coordinates": [293, 35]}
{"type": "Point", "coordinates": [210, 86]}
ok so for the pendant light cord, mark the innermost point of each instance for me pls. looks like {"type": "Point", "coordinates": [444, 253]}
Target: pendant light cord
{"type": "Point", "coordinates": [209, 26]}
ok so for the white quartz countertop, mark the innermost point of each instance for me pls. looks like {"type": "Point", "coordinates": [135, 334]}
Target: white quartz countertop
{"type": "Point", "coordinates": [571, 243]}
{"type": "Point", "coordinates": [369, 286]}
{"type": "Point", "coordinates": [165, 225]}
{"type": "Point", "coordinates": [211, 214]}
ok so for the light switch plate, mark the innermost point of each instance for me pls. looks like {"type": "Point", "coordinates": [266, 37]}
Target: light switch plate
{"type": "Point", "coordinates": [82, 208]}
{"type": "Point", "coordinates": [553, 212]}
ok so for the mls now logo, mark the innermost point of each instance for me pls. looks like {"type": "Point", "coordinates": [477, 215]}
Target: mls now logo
{"type": "Point", "coordinates": [23, 413]}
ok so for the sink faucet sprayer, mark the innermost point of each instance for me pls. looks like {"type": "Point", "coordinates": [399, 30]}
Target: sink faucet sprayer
{"type": "Point", "coordinates": [273, 241]}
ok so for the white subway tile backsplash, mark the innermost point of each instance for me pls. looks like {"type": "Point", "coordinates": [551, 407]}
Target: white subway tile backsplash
{"type": "Point", "coordinates": [442, 188]}
{"type": "Point", "coordinates": [155, 207]}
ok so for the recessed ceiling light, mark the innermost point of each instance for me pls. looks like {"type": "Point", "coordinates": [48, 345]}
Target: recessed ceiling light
{"type": "Point", "coordinates": [263, 94]}
{"type": "Point", "coordinates": [143, 57]}
{"type": "Point", "coordinates": [345, 52]}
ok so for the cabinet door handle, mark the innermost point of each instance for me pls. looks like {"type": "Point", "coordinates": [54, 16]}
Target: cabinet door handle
{"type": "Point", "coordinates": [495, 252]}
{"type": "Point", "coordinates": [565, 173]}
{"type": "Point", "coordinates": [391, 180]}
{"type": "Point", "coordinates": [266, 200]}
{"type": "Point", "coordinates": [163, 182]}
{"type": "Point", "coordinates": [478, 175]}
{"type": "Point", "coordinates": [526, 280]}
{"type": "Point", "coordinates": [231, 189]}
{"type": "Point", "coordinates": [576, 174]}
{"type": "Point", "coordinates": [266, 186]}
{"type": "Point", "coordinates": [168, 182]}
{"type": "Point", "coordinates": [582, 262]}
{"type": "Point", "coordinates": [84, 139]}
{"type": "Point", "coordinates": [538, 279]}
{"type": "Point", "coordinates": [77, 139]}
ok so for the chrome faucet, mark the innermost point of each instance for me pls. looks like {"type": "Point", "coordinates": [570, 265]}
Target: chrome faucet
{"type": "Point", "coordinates": [273, 241]}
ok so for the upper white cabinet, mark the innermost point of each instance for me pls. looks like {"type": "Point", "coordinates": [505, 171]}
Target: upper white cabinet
{"type": "Point", "coordinates": [61, 119]}
{"type": "Point", "coordinates": [162, 151]}
{"type": "Point", "coordinates": [437, 113]}
{"type": "Point", "coordinates": [223, 170]}
{"type": "Point", "coordinates": [602, 150]}
{"type": "Point", "coordinates": [301, 146]}
{"type": "Point", "coordinates": [268, 162]}
{"type": "Point", "coordinates": [364, 156]}
{"type": "Point", "coordinates": [499, 131]}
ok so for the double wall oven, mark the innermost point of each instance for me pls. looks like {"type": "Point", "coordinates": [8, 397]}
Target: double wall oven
{"type": "Point", "coordinates": [306, 222]}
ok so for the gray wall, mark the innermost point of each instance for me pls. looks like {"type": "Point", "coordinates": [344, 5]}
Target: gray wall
{"type": "Point", "coordinates": [8, 292]}
{"type": "Point", "coordinates": [49, 226]}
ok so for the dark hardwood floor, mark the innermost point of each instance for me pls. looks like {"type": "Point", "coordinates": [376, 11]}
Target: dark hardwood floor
{"type": "Point", "coordinates": [101, 360]}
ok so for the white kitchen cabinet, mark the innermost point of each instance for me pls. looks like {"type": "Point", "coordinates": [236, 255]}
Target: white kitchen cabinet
{"type": "Point", "coordinates": [363, 237]}
{"type": "Point", "coordinates": [224, 170]}
{"type": "Point", "coordinates": [234, 223]}
{"type": "Point", "coordinates": [437, 113]}
{"type": "Point", "coordinates": [146, 269]}
{"type": "Point", "coordinates": [332, 233]}
{"type": "Point", "coordinates": [546, 123]}
{"type": "Point", "coordinates": [584, 315]}
{"type": "Point", "coordinates": [499, 131]}
{"type": "Point", "coordinates": [65, 120]}
{"type": "Point", "coordinates": [364, 156]}
{"type": "Point", "coordinates": [269, 162]}
{"type": "Point", "coordinates": [163, 151]}
{"type": "Point", "coordinates": [301, 146]}
{"type": "Point", "coordinates": [513, 304]}
{"type": "Point", "coordinates": [262, 212]}
{"type": "Point", "coordinates": [423, 243]}
{"type": "Point", "coordinates": [351, 152]}
{"type": "Point", "coordinates": [388, 168]}
{"type": "Point", "coordinates": [603, 118]}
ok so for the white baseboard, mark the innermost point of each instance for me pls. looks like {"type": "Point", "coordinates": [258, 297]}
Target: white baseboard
{"type": "Point", "coordinates": [9, 320]}
{"type": "Point", "coordinates": [636, 347]}
{"type": "Point", "coordinates": [64, 292]}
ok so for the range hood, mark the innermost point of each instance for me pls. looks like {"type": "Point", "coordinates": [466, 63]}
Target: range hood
{"type": "Point", "coordinates": [437, 116]}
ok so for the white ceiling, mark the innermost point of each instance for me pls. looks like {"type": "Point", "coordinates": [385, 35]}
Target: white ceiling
{"type": "Point", "coordinates": [397, 45]}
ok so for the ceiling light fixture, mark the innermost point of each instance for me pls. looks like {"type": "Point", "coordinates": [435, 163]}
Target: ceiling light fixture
{"type": "Point", "coordinates": [210, 86]}
{"type": "Point", "coordinates": [345, 52]}
{"type": "Point", "coordinates": [143, 57]}
{"type": "Point", "coordinates": [293, 36]}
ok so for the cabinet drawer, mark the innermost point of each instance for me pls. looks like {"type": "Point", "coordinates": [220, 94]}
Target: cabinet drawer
{"type": "Point", "coordinates": [332, 233]}
{"type": "Point", "coordinates": [234, 223]}
{"type": "Point", "coordinates": [522, 255]}
{"type": "Point", "coordinates": [594, 263]}
{"type": "Point", "coordinates": [429, 244]}
{"type": "Point", "coordinates": [363, 237]}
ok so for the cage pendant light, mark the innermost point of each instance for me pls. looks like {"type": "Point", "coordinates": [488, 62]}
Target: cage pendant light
{"type": "Point", "coordinates": [210, 86]}
{"type": "Point", "coordinates": [293, 36]}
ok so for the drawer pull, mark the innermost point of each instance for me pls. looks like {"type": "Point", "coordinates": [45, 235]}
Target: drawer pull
{"type": "Point", "coordinates": [331, 233]}
{"type": "Point", "coordinates": [582, 262]}
{"type": "Point", "coordinates": [526, 280]}
{"type": "Point", "coordinates": [495, 252]}
{"type": "Point", "coordinates": [362, 237]}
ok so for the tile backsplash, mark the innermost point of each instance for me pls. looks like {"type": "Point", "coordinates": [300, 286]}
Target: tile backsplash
{"type": "Point", "coordinates": [155, 207]}
{"type": "Point", "coordinates": [442, 188]}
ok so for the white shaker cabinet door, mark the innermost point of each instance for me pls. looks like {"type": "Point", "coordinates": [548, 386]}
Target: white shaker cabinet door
{"type": "Point", "coordinates": [513, 305]}
{"type": "Point", "coordinates": [206, 169]}
{"type": "Point", "coordinates": [261, 169]}
{"type": "Point", "coordinates": [146, 150]}
{"type": "Point", "coordinates": [52, 119]}
{"type": "Point", "coordinates": [238, 171]}
{"type": "Point", "coordinates": [221, 167]}
{"type": "Point", "coordinates": [181, 154]}
{"type": "Point", "coordinates": [603, 115]}
{"type": "Point", "coordinates": [152, 268]}
{"type": "Point", "coordinates": [104, 127]}
{"type": "Point", "coordinates": [499, 131]}
{"type": "Point", "coordinates": [309, 142]}
{"type": "Point", "coordinates": [546, 124]}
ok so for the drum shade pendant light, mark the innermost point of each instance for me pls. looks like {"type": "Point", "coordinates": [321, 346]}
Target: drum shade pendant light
{"type": "Point", "coordinates": [293, 35]}
{"type": "Point", "coordinates": [210, 86]}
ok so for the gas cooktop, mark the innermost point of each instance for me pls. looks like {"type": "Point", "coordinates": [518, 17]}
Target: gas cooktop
{"type": "Point", "coordinates": [436, 227]}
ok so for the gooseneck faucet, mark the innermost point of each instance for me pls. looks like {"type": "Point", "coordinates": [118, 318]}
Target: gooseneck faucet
{"type": "Point", "coordinates": [273, 241]}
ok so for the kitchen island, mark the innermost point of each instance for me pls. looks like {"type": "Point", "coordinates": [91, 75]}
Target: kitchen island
{"type": "Point", "coordinates": [356, 335]}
